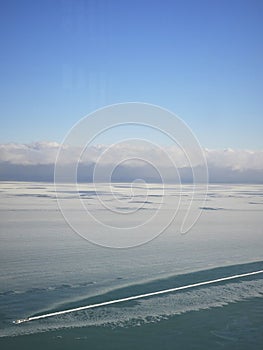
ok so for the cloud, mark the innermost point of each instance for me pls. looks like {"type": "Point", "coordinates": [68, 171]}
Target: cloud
{"type": "Point", "coordinates": [29, 154]}
{"type": "Point", "coordinates": [240, 160]}
{"type": "Point", "coordinates": [126, 162]}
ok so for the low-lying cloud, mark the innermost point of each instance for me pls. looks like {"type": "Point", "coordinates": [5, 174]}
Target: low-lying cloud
{"type": "Point", "coordinates": [126, 162]}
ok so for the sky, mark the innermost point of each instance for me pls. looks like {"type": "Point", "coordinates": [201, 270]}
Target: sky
{"type": "Point", "coordinates": [202, 60]}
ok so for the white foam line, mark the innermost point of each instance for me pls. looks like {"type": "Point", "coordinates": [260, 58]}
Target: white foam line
{"type": "Point", "coordinates": [135, 297]}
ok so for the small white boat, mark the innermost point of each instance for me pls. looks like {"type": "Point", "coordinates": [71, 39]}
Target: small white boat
{"type": "Point", "coordinates": [22, 320]}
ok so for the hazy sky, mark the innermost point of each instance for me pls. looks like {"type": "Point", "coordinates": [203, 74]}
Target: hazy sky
{"type": "Point", "coordinates": [61, 59]}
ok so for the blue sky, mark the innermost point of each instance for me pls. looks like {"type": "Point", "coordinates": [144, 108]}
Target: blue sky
{"type": "Point", "coordinates": [62, 59]}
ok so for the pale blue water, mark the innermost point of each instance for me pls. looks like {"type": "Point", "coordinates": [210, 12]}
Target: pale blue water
{"type": "Point", "coordinates": [47, 267]}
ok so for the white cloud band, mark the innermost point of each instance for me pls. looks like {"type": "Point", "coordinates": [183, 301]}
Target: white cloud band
{"type": "Point", "coordinates": [36, 161]}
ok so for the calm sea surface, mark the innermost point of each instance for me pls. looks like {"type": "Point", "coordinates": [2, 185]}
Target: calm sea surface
{"type": "Point", "coordinates": [47, 267]}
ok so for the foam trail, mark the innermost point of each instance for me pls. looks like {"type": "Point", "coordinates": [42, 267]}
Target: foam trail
{"type": "Point", "coordinates": [135, 297]}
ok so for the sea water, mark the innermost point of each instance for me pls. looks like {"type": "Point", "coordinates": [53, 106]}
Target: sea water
{"type": "Point", "coordinates": [47, 267]}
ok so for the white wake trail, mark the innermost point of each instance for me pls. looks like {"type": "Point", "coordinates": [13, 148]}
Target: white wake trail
{"type": "Point", "coordinates": [135, 297]}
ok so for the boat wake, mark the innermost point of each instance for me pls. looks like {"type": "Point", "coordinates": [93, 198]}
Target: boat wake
{"type": "Point", "coordinates": [136, 297]}
{"type": "Point", "coordinates": [148, 302]}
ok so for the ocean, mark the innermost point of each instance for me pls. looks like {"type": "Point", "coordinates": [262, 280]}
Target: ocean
{"type": "Point", "coordinates": [47, 267]}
